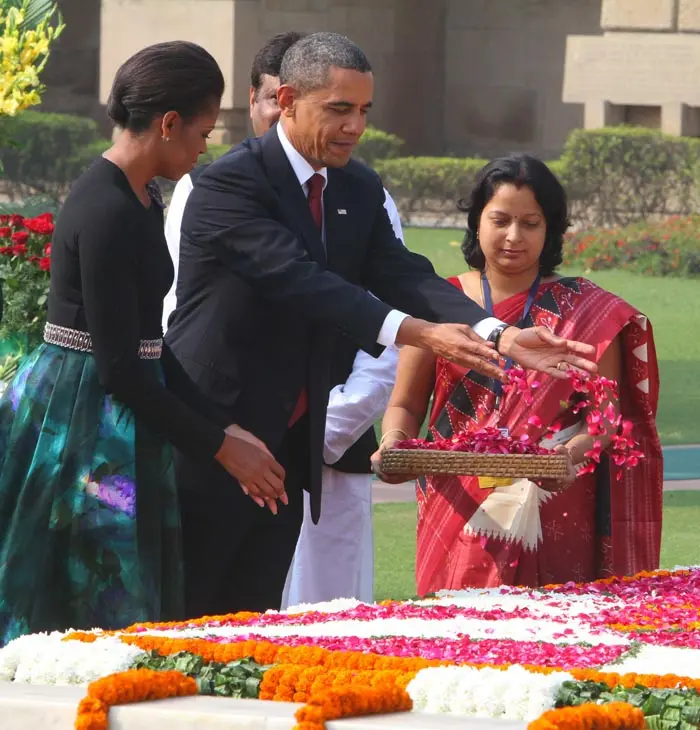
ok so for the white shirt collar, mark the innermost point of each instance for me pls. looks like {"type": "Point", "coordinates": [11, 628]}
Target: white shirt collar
{"type": "Point", "coordinates": [302, 169]}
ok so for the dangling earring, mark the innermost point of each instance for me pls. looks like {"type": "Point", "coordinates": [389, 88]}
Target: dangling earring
{"type": "Point", "coordinates": [165, 139]}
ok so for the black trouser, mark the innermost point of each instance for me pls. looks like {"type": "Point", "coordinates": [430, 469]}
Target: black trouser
{"type": "Point", "coordinates": [237, 554]}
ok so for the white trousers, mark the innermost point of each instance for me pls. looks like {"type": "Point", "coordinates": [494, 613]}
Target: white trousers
{"type": "Point", "coordinates": [335, 559]}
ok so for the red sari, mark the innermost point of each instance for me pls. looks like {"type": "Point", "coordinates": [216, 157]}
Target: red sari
{"type": "Point", "coordinates": [599, 526]}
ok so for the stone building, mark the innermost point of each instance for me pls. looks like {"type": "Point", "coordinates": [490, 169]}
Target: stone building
{"type": "Point", "coordinates": [452, 76]}
{"type": "Point", "coordinates": [643, 69]}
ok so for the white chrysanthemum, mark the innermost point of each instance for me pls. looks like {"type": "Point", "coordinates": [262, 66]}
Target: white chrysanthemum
{"type": "Point", "coordinates": [47, 659]}
{"type": "Point", "coordinates": [513, 694]}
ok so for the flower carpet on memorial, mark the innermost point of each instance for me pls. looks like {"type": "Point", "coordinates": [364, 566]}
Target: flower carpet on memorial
{"type": "Point", "coordinates": [616, 653]}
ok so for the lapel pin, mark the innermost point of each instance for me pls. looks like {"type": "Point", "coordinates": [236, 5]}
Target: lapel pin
{"type": "Point", "coordinates": [342, 211]}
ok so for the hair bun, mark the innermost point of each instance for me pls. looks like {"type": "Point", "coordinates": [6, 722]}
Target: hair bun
{"type": "Point", "coordinates": [117, 112]}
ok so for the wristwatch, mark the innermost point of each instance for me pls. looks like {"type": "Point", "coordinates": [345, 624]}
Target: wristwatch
{"type": "Point", "coordinates": [495, 335]}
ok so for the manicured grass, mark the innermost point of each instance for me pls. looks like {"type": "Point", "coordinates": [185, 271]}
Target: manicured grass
{"type": "Point", "coordinates": [395, 542]}
{"type": "Point", "coordinates": [672, 305]}
{"type": "Point", "coordinates": [394, 551]}
{"type": "Point", "coordinates": [680, 544]}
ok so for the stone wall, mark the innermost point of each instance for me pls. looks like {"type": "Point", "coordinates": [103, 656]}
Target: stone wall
{"type": "Point", "coordinates": [504, 73]}
{"type": "Point", "coordinates": [72, 73]}
{"type": "Point", "coordinates": [452, 76]}
{"type": "Point", "coordinates": [648, 58]}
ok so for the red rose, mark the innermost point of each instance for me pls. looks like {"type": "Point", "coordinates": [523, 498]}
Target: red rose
{"type": "Point", "coordinates": [4, 219]}
{"type": "Point", "coordinates": [5, 250]}
{"type": "Point", "coordinates": [45, 263]}
{"type": "Point", "coordinates": [20, 238]}
{"type": "Point", "coordinates": [40, 224]}
{"type": "Point", "coordinates": [5, 232]}
{"type": "Point", "coordinates": [16, 221]}
{"type": "Point", "coordinates": [19, 250]}
{"type": "Point", "coordinates": [47, 249]}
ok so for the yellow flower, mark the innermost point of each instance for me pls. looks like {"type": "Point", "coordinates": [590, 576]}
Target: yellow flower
{"type": "Point", "coordinates": [23, 56]}
{"type": "Point", "coordinates": [10, 44]}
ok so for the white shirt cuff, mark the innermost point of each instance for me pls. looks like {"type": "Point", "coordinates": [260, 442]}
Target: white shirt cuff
{"type": "Point", "coordinates": [486, 327]}
{"type": "Point", "coordinates": [390, 328]}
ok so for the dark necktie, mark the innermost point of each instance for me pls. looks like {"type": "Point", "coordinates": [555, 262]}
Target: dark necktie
{"type": "Point", "coordinates": [315, 188]}
{"type": "Point", "coordinates": [315, 197]}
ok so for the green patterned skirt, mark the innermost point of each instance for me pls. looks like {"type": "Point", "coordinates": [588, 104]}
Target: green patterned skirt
{"type": "Point", "coordinates": [89, 521]}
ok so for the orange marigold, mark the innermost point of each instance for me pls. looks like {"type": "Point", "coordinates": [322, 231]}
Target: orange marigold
{"type": "Point", "coordinates": [653, 681]}
{"type": "Point", "coordinates": [135, 685]}
{"type": "Point", "coordinates": [334, 704]}
{"type": "Point", "coordinates": [615, 716]}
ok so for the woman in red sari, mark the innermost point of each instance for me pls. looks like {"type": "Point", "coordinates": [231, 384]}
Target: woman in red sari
{"type": "Point", "coordinates": [477, 532]}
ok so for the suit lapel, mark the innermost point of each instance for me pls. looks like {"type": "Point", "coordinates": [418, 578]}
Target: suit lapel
{"type": "Point", "coordinates": [335, 217]}
{"type": "Point", "coordinates": [294, 202]}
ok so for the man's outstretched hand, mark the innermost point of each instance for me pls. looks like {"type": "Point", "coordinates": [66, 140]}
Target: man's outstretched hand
{"type": "Point", "coordinates": [455, 342]}
{"type": "Point", "coordinates": [537, 348]}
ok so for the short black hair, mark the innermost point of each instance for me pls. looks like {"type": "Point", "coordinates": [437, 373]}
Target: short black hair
{"type": "Point", "coordinates": [174, 76]}
{"type": "Point", "coordinates": [268, 59]}
{"type": "Point", "coordinates": [519, 170]}
{"type": "Point", "coordinates": [308, 62]}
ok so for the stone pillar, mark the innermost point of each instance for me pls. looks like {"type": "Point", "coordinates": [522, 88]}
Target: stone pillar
{"type": "Point", "coordinates": [228, 29]}
{"type": "Point", "coordinates": [599, 114]}
{"type": "Point", "coordinates": [680, 119]}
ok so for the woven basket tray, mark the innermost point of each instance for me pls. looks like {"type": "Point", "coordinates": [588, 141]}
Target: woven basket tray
{"type": "Point", "coordinates": [424, 461]}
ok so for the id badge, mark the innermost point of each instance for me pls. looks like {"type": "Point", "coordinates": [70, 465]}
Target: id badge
{"type": "Point", "coordinates": [493, 482]}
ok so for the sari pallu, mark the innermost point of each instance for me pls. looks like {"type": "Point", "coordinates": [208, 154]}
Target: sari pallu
{"type": "Point", "coordinates": [601, 525]}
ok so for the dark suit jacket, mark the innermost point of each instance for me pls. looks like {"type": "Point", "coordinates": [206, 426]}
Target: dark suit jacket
{"type": "Point", "coordinates": [357, 459]}
{"type": "Point", "coordinates": [261, 300]}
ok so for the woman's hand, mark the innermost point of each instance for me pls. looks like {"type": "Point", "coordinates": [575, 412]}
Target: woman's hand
{"type": "Point", "coordinates": [247, 459]}
{"type": "Point", "coordinates": [559, 485]}
{"type": "Point", "coordinates": [388, 442]}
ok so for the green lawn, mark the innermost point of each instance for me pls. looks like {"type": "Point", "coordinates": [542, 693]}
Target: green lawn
{"type": "Point", "coordinates": [395, 542]}
{"type": "Point", "coordinates": [673, 306]}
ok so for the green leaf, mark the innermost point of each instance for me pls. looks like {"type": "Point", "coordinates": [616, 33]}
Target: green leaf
{"type": "Point", "coordinates": [37, 12]}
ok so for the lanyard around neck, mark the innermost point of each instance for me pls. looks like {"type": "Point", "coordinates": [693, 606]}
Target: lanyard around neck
{"type": "Point", "coordinates": [488, 306]}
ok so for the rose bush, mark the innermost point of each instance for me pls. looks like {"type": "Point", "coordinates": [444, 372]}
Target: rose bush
{"type": "Point", "coordinates": [25, 261]}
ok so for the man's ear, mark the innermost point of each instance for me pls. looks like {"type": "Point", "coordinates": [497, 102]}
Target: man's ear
{"type": "Point", "coordinates": [286, 99]}
{"type": "Point", "coordinates": [252, 93]}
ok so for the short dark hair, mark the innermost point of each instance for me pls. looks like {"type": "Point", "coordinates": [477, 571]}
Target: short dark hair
{"type": "Point", "coordinates": [174, 76]}
{"type": "Point", "coordinates": [519, 170]}
{"type": "Point", "coordinates": [268, 59]}
{"type": "Point", "coordinates": [307, 63]}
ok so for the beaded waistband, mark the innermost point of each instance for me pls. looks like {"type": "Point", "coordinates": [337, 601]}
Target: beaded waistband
{"type": "Point", "coordinates": [82, 342]}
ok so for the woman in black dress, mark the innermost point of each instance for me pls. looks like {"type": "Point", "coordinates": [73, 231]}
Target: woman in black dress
{"type": "Point", "coordinates": [89, 521]}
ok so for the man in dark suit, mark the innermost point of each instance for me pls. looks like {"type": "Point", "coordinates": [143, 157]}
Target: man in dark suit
{"type": "Point", "coordinates": [281, 240]}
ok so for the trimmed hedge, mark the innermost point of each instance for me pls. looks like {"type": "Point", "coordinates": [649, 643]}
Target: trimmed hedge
{"type": "Point", "coordinates": [47, 153]}
{"type": "Point", "coordinates": [620, 174]}
{"type": "Point", "coordinates": [377, 145]}
{"type": "Point", "coordinates": [613, 176]}
{"type": "Point", "coordinates": [428, 184]}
